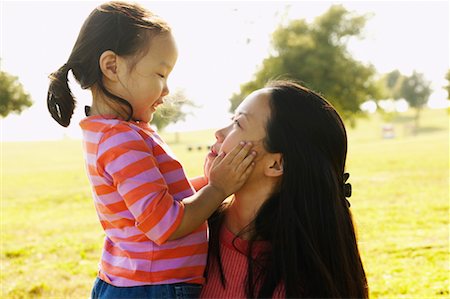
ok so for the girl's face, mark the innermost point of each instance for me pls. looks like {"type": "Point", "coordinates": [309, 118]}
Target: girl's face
{"type": "Point", "coordinates": [248, 124]}
{"type": "Point", "coordinates": [145, 85]}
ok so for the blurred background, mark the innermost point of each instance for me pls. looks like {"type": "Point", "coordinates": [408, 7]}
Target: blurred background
{"type": "Point", "coordinates": [384, 65]}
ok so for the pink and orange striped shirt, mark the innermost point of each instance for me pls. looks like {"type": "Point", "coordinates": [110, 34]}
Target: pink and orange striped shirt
{"type": "Point", "coordinates": [137, 187]}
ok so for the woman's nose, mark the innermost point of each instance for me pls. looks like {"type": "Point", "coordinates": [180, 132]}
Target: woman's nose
{"type": "Point", "coordinates": [220, 135]}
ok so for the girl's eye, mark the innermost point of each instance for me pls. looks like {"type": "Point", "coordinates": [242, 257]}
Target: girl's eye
{"type": "Point", "coordinates": [236, 122]}
{"type": "Point", "coordinates": [161, 75]}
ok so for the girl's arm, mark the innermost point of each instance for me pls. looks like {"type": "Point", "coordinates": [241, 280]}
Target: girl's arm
{"type": "Point", "coordinates": [133, 171]}
{"type": "Point", "coordinates": [198, 182]}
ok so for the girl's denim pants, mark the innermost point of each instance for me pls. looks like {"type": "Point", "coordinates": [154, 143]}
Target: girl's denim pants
{"type": "Point", "coordinates": [103, 290]}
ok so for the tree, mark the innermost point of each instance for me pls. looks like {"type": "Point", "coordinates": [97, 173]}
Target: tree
{"type": "Point", "coordinates": [392, 82]}
{"type": "Point", "coordinates": [172, 110]}
{"type": "Point", "coordinates": [416, 91]}
{"type": "Point", "coordinates": [316, 54]}
{"type": "Point", "coordinates": [13, 98]}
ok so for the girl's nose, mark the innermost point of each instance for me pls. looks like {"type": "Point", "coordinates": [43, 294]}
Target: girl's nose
{"type": "Point", "coordinates": [165, 90]}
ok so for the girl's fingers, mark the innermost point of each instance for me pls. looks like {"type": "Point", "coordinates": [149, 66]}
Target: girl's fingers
{"type": "Point", "coordinates": [248, 170]}
{"type": "Point", "coordinates": [242, 167]}
{"type": "Point", "coordinates": [238, 160]}
{"type": "Point", "coordinates": [230, 156]}
{"type": "Point", "coordinates": [217, 159]}
{"type": "Point", "coordinates": [241, 154]}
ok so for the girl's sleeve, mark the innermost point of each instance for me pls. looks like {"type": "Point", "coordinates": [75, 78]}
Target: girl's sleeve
{"type": "Point", "coordinates": [125, 159]}
{"type": "Point", "coordinates": [198, 182]}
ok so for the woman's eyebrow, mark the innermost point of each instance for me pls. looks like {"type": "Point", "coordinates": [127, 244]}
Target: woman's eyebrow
{"type": "Point", "coordinates": [244, 113]}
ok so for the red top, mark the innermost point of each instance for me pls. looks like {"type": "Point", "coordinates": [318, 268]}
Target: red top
{"type": "Point", "coordinates": [234, 264]}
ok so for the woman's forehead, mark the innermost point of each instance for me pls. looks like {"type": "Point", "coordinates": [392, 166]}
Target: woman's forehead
{"type": "Point", "coordinates": [254, 102]}
{"type": "Point", "coordinates": [255, 107]}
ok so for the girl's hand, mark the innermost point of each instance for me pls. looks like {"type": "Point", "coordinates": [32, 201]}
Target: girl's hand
{"type": "Point", "coordinates": [228, 173]}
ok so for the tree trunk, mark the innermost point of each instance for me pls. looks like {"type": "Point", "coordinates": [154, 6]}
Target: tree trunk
{"type": "Point", "coordinates": [416, 120]}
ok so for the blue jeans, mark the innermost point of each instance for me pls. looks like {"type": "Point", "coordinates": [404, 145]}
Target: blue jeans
{"type": "Point", "coordinates": [103, 290]}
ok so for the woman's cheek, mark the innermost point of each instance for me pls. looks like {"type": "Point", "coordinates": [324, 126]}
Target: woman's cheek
{"type": "Point", "coordinates": [228, 145]}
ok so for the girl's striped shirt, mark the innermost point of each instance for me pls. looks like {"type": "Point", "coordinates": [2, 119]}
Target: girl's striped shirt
{"type": "Point", "coordinates": [137, 188]}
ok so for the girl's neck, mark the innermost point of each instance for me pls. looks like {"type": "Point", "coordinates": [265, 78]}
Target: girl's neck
{"type": "Point", "coordinates": [101, 106]}
{"type": "Point", "coordinates": [99, 109]}
{"type": "Point", "coordinates": [244, 207]}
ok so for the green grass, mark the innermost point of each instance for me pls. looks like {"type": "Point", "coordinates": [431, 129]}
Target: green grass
{"type": "Point", "coordinates": [51, 240]}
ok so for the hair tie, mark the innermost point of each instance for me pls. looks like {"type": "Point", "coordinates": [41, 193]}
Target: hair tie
{"type": "Point", "coordinates": [347, 188]}
{"type": "Point", "coordinates": [66, 67]}
{"type": "Point", "coordinates": [87, 110]}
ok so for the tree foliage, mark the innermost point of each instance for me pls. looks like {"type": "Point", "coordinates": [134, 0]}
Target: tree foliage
{"type": "Point", "coordinates": [172, 110]}
{"type": "Point", "coordinates": [316, 55]}
{"type": "Point", "coordinates": [391, 85]}
{"type": "Point", "coordinates": [416, 90]}
{"type": "Point", "coordinates": [13, 98]}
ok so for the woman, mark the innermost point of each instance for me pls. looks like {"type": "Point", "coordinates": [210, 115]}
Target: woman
{"type": "Point", "coordinates": [288, 232]}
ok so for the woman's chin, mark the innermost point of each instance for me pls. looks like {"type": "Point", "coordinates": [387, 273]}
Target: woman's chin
{"type": "Point", "coordinates": [212, 155]}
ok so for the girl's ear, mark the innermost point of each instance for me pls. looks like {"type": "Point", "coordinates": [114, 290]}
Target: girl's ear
{"type": "Point", "coordinates": [108, 65]}
{"type": "Point", "coordinates": [274, 165]}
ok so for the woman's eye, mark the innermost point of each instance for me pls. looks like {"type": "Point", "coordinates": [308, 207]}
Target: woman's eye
{"type": "Point", "coordinates": [236, 122]}
{"type": "Point", "coordinates": [161, 75]}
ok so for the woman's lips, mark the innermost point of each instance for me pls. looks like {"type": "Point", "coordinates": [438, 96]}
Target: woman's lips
{"type": "Point", "coordinates": [212, 153]}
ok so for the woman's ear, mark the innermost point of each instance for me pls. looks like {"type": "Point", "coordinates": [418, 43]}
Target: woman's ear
{"type": "Point", "coordinates": [108, 65]}
{"type": "Point", "coordinates": [274, 165]}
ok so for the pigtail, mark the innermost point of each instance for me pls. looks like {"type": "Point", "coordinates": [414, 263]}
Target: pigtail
{"type": "Point", "coordinates": [60, 101]}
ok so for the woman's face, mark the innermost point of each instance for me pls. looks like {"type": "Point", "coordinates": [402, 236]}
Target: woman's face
{"type": "Point", "coordinates": [248, 124]}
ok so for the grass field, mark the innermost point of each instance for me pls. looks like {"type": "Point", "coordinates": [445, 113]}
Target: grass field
{"type": "Point", "coordinates": [51, 239]}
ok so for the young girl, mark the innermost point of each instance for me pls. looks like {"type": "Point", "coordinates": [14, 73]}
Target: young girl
{"type": "Point", "coordinates": [288, 231]}
{"type": "Point", "coordinates": [156, 234]}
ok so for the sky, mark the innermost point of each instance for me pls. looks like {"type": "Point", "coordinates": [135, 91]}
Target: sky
{"type": "Point", "coordinates": [221, 44]}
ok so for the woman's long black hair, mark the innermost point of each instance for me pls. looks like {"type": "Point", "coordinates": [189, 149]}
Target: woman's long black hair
{"type": "Point", "coordinates": [313, 248]}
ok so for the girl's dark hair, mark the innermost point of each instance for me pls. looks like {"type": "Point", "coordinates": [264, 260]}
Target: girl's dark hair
{"type": "Point", "coordinates": [313, 249]}
{"type": "Point", "coordinates": [121, 27]}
